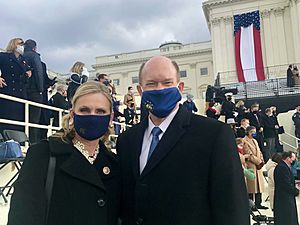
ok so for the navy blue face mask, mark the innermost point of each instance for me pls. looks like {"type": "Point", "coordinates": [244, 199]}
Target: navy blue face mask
{"type": "Point", "coordinates": [161, 102]}
{"type": "Point", "coordinates": [91, 127]}
{"type": "Point", "coordinates": [254, 135]}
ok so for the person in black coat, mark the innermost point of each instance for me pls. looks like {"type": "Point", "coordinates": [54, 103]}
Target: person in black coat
{"type": "Point", "coordinates": [59, 100]}
{"type": "Point", "coordinates": [129, 114]}
{"type": "Point", "coordinates": [86, 185]}
{"type": "Point", "coordinates": [228, 107]}
{"type": "Point", "coordinates": [211, 112]}
{"type": "Point", "coordinates": [285, 208]}
{"type": "Point", "coordinates": [79, 76]}
{"type": "Point", "coordinates": [189, 104]}
{"type": "Point", "coordinates": [241, 131]}
{"type": "Point", "coordinates": [193, 175]}
{"type": "Point", "coordinates": [270, 128]}
{"type": "Point", "coordinates": [290, 76]}
{"type": "Point", "coordinates": [13, 79]}
{"type": "Point", "coordinates": [255, 119]}
{"type": "Point", "coordinates": [35, 87]}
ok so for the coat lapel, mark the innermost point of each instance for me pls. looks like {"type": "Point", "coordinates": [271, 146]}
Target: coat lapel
{"type": "Point", "coordinates": [76, 165]}
{"type": "Point", "coordinates": [175, 131]}
{"type": "Point", "coordinates": [138, 148]}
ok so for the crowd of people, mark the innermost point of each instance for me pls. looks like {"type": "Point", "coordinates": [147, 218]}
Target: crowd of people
{"type": "Point", "coordinates": [293, 77]}
{"type": "Point", "coordinates": [173, 158]}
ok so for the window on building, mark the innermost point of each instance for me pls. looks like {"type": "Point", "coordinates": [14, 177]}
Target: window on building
{"type": "Point", "coordinates": [183, 73]}
{"type": "Point", "coordinates": [135, 80]}
{"type": "Point", "coordinates": [203, 71]}
{"type": "Point", "coordinates": [116, 82]}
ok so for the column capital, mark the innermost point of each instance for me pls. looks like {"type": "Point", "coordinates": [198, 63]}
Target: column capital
{"type": "Point", "coordinates": [228, 19]}
{"type": "Point", "coordinates": [279, 11]}
{"type": "Point", "coordinates": [215, 21]}
{"type": "Point", "coordinates": [265, 14]}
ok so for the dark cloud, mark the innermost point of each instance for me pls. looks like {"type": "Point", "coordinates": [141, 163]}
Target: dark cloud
{"type": "Point", "coordinates": [68, 31]}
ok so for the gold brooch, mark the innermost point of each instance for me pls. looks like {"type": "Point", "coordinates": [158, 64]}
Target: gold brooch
{"type": "Point", "coordinates": [106, 170]}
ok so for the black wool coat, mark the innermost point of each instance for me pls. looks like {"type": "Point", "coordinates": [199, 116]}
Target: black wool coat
{"type": "Point", "coordinates": [285, 208]}
{"type": "Point", "coordinates": [13, 70]}
{"type": "Point", "coordinates": [193, 177]}
{"type": "Point", "coordinates": [83, 194]}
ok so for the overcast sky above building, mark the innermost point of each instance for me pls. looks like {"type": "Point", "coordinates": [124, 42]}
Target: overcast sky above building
{"type": "Point", "coordinates": [71, 30]}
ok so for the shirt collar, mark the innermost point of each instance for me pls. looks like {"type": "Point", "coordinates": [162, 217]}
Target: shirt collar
{"type": "Point", "coordinates": [164, 125]}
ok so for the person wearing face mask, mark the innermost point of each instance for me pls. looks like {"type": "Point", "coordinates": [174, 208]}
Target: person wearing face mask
{"type": "Point", "coordinates": [285, 208]}
{"type": "Point", "coordinates": [241, 131]}
{"type": "Point", "coordinates": [14, 75]}
{"type": "Point", "coordinates": [228, 107]}
{"type": "Point", "coordinates": [241, 110]}
{"type": "Point", "coordinates": [254, 162]}
{"type": "Point", "coordinates": [177, 167]}
{"type": "Point", "coordinates": [86, 175]}
{"type": "Point", "coordinates": [255, 118]}
{"type": "Point", "coordinates": [270, 129]}
{"type": "Point", "coordinates": [79, 75]}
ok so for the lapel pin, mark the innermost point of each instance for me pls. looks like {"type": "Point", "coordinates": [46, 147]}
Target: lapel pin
{"type": "Point", "coordinates": [106, 170]}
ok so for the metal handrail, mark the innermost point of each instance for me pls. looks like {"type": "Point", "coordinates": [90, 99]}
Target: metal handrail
{"type": "Point", "coordinates": [292, 136]}
{"type": "Point", "coordinates": [27, 124]}
{"type": "Point", "coordinates": [293, 147]}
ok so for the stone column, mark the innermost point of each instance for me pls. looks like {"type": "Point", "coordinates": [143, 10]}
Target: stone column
{"type": "Point", "coordinates": [267, 42]}
{"type": "Point", "coordinates": [282, 47]}
{"type": "Point", "coordinates": [231, 68]}
{"type": "Point", "coordinates": [295, 28]}
{"type": "Point", "coordinates": [216, 45]}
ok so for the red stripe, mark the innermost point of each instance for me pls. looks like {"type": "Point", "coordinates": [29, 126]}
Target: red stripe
{"type": "Point", "coordinates": [239, 68]}
{"type": "Point", "coordinates": [259, 66]}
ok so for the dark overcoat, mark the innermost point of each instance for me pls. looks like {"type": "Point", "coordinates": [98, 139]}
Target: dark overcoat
{"type": "Point", "coordinates": [13, 70]}
{"type": "Point", "coordinates": [82, 193]}
{"type": "Point", "coordinates": [285, 208]}
{"type": "Point", "coordinates": [193, 177]}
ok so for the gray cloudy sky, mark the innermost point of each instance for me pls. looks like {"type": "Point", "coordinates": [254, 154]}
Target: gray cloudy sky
{"type": "Point", "coordinates": [72, 30]}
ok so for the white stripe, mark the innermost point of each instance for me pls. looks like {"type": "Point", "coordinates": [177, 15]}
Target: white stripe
{"type": "Point", "coordinates": [248, 53]}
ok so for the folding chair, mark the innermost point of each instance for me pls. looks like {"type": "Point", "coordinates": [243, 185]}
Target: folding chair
{"type": "Point", "coordinates": [21, 138]}
{"type": "Point", "coordinates": [16, 135]}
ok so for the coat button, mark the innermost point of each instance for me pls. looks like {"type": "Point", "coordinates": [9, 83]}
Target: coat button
{"type": "Point", "coordinates": [139, 221]}
{"type": "Point", "coordinates": [11, 66]}
{"type": "Point", "coordinates": [101, 202]}
{"type": "Point", "coordinates": [12, 75]}
{"type": "Point", "coordinates": [13, 89]}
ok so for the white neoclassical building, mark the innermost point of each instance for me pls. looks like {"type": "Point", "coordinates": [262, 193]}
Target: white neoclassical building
{"type": "Point", "coordinates": [201, 62]}
{"type": "Point", "coordinates": [195, 62]}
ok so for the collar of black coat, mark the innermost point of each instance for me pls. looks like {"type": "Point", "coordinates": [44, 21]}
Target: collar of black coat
{"type": "Point", "coordinates": [175, 131]}
{"type": "Point", "coordinates": [78, 167]}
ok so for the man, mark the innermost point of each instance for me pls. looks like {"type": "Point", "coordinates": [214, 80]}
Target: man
{"type": "Point", "coordinates": [35, 87]}
{"type": "Point", "coordinates": [241, 131]}
{"type": "Point", "coordinates": [189, 104]}
{"type": "Point", "coordinates": [103, 78]}
{"type": "Point", "coordinates": [255, 119]}
{"type": "Point", "coordinates": [228, 107]}
{"type": "Point", "coordinates": [270, 129]}
{"type": "Point", "coordinates": [129, 97]}
{"type": "Point", "coordinates": [178, 168]}
{"type": "Point", "coordinates": [285, 208]}
{"type": "Point", "coordinates": [289, 78]}
{"type": "Point", "coordinates": [280, 130]}
{"type": "Point", "coordinates": [59, 100]}
{"type": "Point", "coordinates": [296, 119]}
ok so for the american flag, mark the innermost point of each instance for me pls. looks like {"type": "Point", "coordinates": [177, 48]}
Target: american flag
{"type": "Point", "coordinates": [248, 53]}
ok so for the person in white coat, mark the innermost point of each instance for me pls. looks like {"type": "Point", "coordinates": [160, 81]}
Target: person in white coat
{"type": "Point", "coordinates": [270, 167]}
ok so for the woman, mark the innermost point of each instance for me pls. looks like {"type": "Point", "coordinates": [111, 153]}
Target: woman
{"type": "Point", "coordinates": [79, 76]}
{"type": "Point", "coordinates": [241, 110]}
{"type": "Point", "coordinates": [13, 79]}
{"type": "Point", "coordinates": [270, 167]}
{"type": "Point", "coordinates": [255, 160]}
{"type": "Point", "coordinates": [86, 187]}
{"type": "Point", "coordinates": [212, 112]}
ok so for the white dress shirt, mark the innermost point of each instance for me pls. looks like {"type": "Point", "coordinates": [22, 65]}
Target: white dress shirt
{"type": "Point", "coordinates": [148, 137]}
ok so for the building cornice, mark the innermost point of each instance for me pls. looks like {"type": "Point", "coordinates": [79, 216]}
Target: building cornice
{"type": "Point", "coordinates": [144, 59]}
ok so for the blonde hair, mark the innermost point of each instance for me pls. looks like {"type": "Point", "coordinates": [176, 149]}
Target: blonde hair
{"type": "Point", "coordinates": [68, 130]}
{"type": "Point", "coordinates": [239, 103]}
{"type": "Point", "coordinates": [239, 141]}
{"type": "Point", "coordinates": [12, 44]}
{"type": "Point", "coordinates": [77, 67]}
